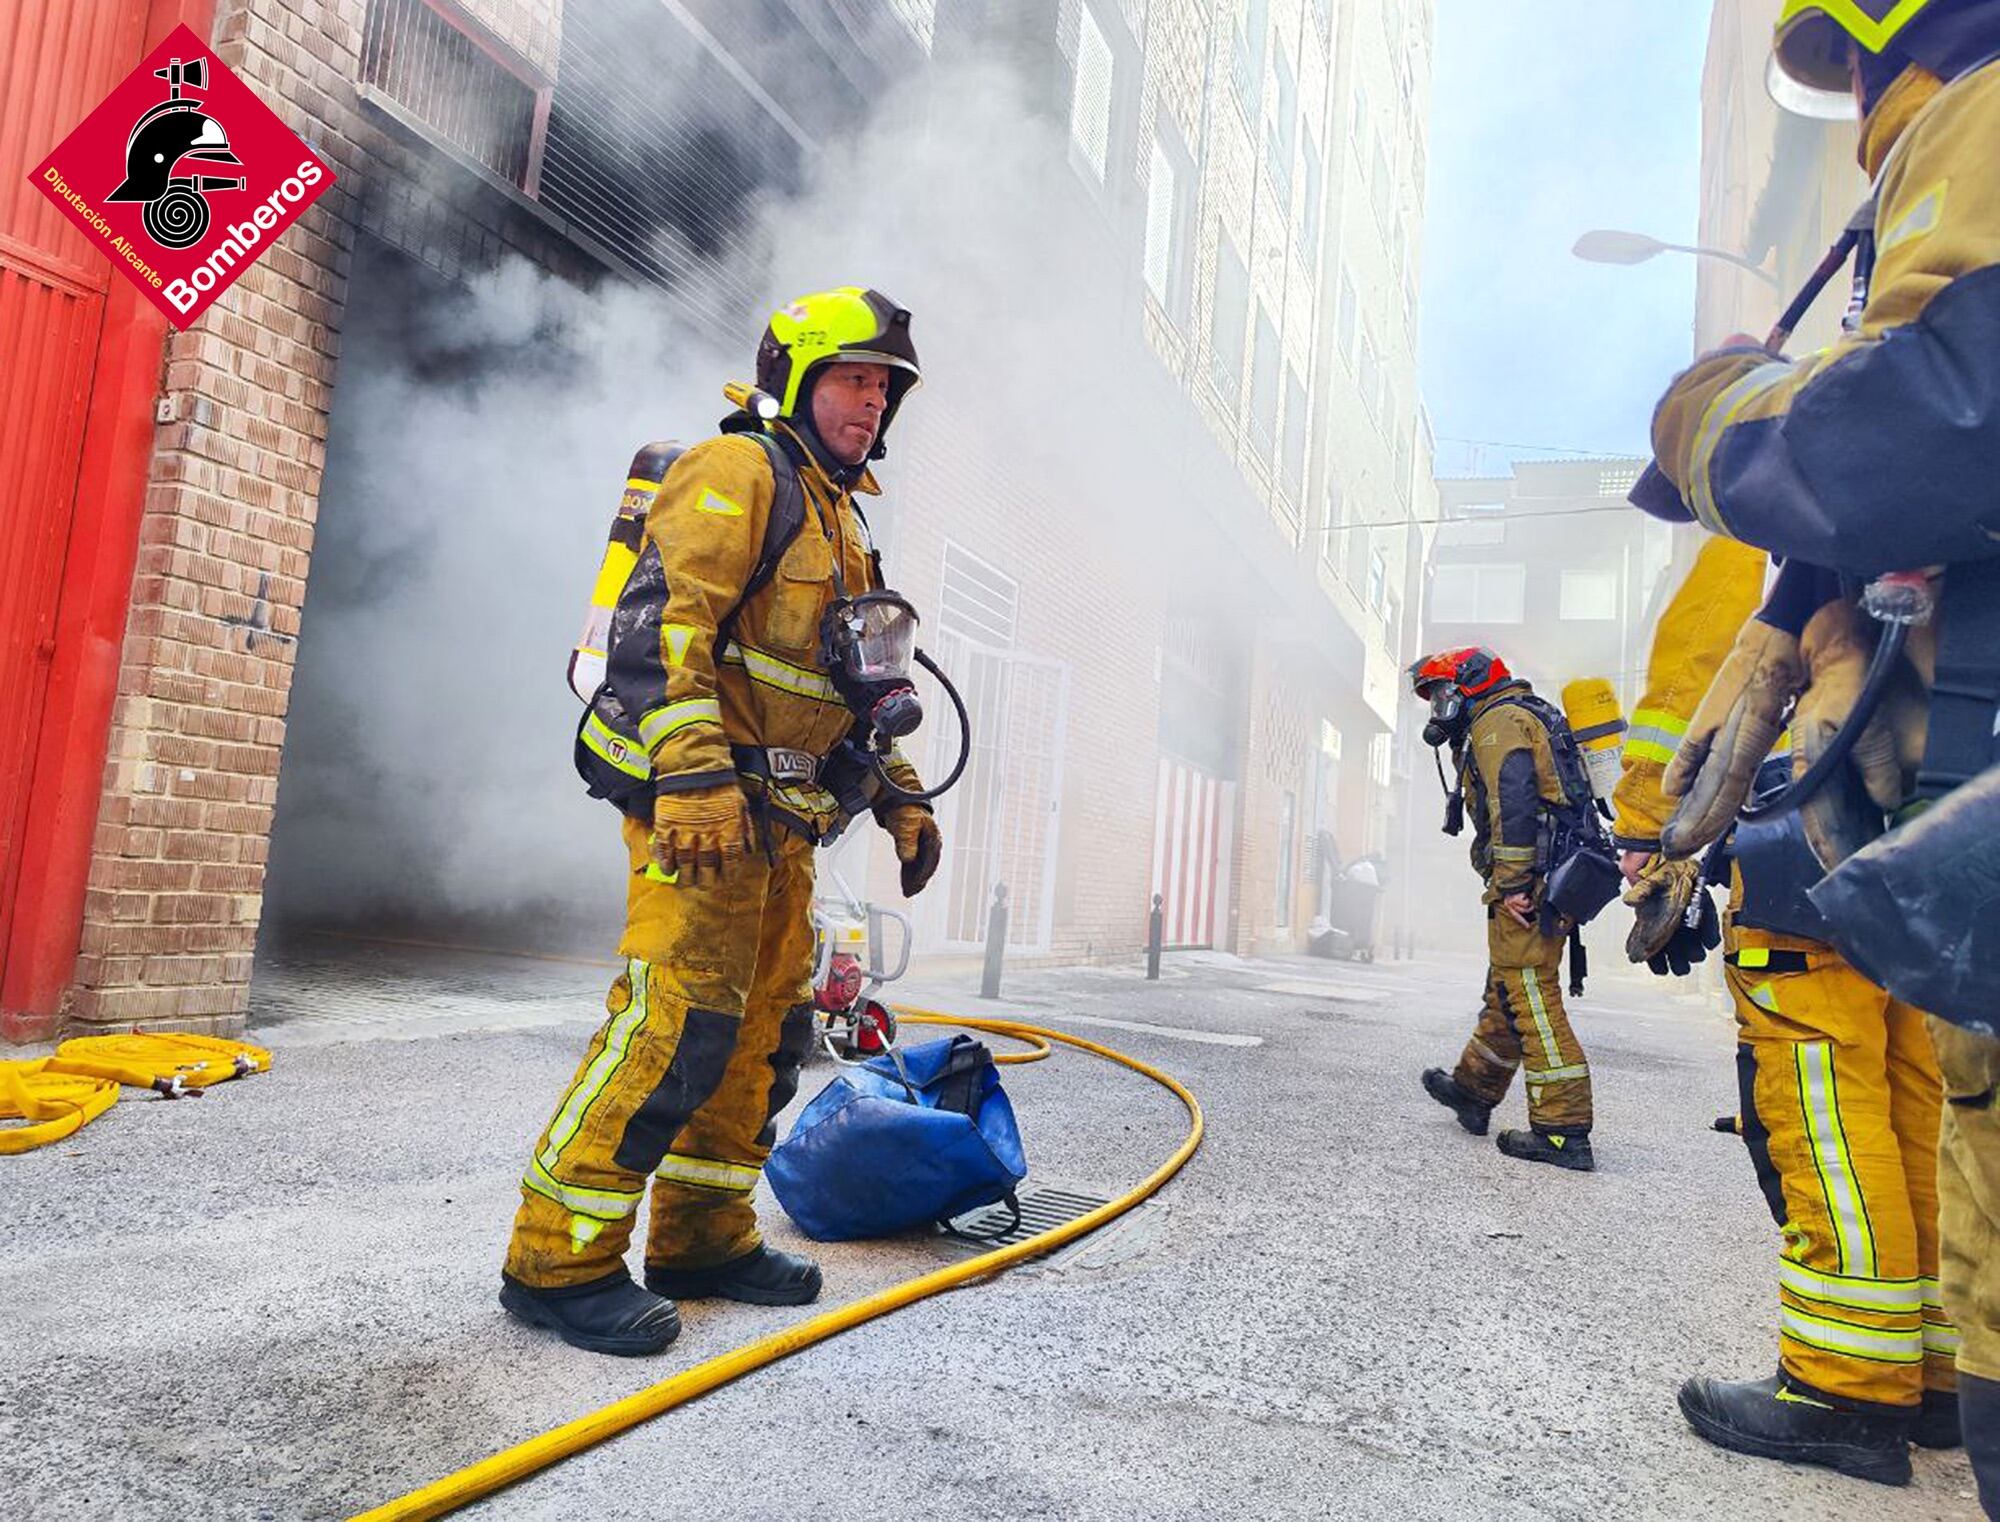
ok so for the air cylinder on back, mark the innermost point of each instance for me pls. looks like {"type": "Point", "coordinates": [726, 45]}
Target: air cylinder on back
{"type": "Point", "coordinates": [628, 531]}
{"type": "Point", "coordinates": [1598, 723]}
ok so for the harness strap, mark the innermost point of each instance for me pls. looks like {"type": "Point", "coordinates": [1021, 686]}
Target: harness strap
{"type": "Point", "coordinates": [1965, 698]}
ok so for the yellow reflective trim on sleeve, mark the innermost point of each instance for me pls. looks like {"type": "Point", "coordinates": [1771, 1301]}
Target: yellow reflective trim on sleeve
{"type": "Point", "coordinates": [713, 501]}
{"type": "Point", "coordinates": [1765, 997]}
{"type": "Point", "coordinates": [1856, 1294]}
{"type": "Point", "coordinates": [1819, 1101]}
{"type": "Point", "coordinates": [1721, 415]}
{"type": "Point", "coordinates": [607, 743]}
{"type": "Point", "coordinates": [1943, 1340]}
{"type": "Point", "coordinates": [1646, 750]}
{"type": "Point", "coordinates": [1919, 221]}
{"type": "Point", "coordinates": [671, 718]}
{"type": "Point", "coordinates": [1754, 956]}
{"type": "Point", "coordinates": [707, 1173]}
{"type": "Point", "coordinates": [674, 640]}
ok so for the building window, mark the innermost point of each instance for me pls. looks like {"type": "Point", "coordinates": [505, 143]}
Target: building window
{"type": "Point", "coordinates": [1478, 594]}
{"type": "Point", "coordinates": [1264, 387]}
{"type": "Point", "coordinates": [431, 68]}
{"type": "Point", "coordinates": [1378, 581]}
{"type": "Point", "coordinates": [1392, 624]}
{"type": "Point", "coordinates": [1588, 595]}
{"type": "Point", "coordinates": [1312, 190]}
{"type": "Point", "coordinates": [1280, 132]}
{"type": "Point", "coordinates": [978, 601]}
{"type": "Point", "coordinates": [1227, 322]}
{"type": "Point", "coordinates": [1381, 759]}
{"type": "Point", "coordinates": [1294, 473]}
{"type": "Point", "coordinates": [1347, 319]}
{"type": "Point", "coordinates": [1405, 462]}
{"type": "Point", "coordinates": [1368, 374]}
{"type": "Point", "coordinates": [1168, 227]}
{"type": "Point", "coordinates": [1090, 95]}
{"type": "Point", "coordinates": [1331, 532]}
{"type": "Point", "coordinates": [1381, 184]}
{"type": "Point", "coordinates": [1287, 822]}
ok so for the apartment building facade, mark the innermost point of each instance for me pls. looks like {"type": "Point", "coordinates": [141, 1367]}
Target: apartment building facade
{"type": "Point", "coordinates": [1221, 700]}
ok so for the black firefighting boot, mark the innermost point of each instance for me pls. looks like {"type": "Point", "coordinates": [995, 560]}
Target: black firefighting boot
{"type": "Point", "coordinates": [608, 1315]}
{"type": "Point", "coordinates": [1562, 1150]}
{"type": "Point", "coordinates": [762, 1276]}
{"type": "Point", "coordinates": [1937, 1424]}
{"type": "Point", "coordinates": [1979, 1402]}
{"type": "Point", "coordinates": [1779, 1418]}
{"type": "Point", "coordinates": [1446, 1090]}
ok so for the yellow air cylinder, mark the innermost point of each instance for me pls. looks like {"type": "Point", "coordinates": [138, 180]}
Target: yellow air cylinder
{"type": "Point", "coordinates": [628, 532]}
{"type": "Point", "coordinates": [1598, 723]}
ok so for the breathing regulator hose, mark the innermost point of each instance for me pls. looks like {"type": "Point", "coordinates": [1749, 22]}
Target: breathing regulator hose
{"type": "Point", "coordinates": [505, 1468]}
{"type": "Point", "coordinates": [1801, 789]}
{"type": "Point", "coordinates": [894, 794]}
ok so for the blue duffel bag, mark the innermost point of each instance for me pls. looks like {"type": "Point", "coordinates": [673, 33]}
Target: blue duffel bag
{"type": "Point", "coordinates": [908, 1139]}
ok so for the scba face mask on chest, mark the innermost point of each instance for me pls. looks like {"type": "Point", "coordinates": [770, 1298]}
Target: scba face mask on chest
{"type": "Point", "coordinates": [867, 644]}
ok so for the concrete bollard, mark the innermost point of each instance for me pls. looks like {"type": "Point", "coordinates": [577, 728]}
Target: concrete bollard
{"type": "Point", "coordinates": [1155, 928]}
{"type": "Point", "coordinates": [996, 944]}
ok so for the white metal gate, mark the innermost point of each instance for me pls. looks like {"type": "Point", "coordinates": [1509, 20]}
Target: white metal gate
{"type": "Point", "coordinates": [1001, 823]}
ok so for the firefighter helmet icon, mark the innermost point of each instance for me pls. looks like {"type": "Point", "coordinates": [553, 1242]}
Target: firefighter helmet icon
{"type": "Point", "coordinates": [174, 132]}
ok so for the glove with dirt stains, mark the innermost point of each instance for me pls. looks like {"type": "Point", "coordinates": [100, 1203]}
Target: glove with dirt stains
{"type": "Point", "coordinates": [919, 845]}
{"type": "Point", "coordinates": [1738, 721]}
{"type": "Point", "coordinates": [1671, 931]}
{"type": "Point", "coordinates": [702, 832]}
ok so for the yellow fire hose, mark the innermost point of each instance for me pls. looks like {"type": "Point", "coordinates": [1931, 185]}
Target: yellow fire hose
{"type": "Point", "coordinates": [447, 1495]}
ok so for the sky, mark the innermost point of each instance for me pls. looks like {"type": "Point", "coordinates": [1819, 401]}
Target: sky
{"type": "Point", "coordinates": [1549, 118]}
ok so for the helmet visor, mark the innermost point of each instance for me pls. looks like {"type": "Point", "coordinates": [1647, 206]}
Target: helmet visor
{"type": "Point", "coordinates": [1815, 104]}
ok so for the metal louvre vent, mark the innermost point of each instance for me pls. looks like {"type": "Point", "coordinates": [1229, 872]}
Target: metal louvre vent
{"type": "Point", "coordinates": [445, 79]}
{"type": "Point", "coordinates": [1041, 1210]}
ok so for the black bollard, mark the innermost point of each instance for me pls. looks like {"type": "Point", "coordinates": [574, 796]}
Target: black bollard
{"type": "Point", "coordinates": [996, 944]}
{"type": "Point", "coordinates": [1155, 927]}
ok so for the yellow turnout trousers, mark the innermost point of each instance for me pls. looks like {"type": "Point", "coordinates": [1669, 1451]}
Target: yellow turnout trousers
{"type": "Point", "coordinates": [706, 1031]}
{"type": "Point", "coordinates": [1522, 1023]}
{"type": "Point", "coordinates": [1969, 1192]}
{"type": "Point", "coordinates": [1840, 1097]}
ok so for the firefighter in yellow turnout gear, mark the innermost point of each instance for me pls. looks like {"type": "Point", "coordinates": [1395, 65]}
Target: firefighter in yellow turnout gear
{"type": "Point", "coordinates": [1880, 454]}
{"type": "Point", "coordinates": [709, 1022]}
{"type": "Point", "coordinates": [1501, 747]}
{"type": "Point", "coordinates": [1839, 1097]}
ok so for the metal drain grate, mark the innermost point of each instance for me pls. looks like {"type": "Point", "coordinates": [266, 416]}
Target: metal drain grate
{"type": "Point", "coordinates": [1041, 1209]}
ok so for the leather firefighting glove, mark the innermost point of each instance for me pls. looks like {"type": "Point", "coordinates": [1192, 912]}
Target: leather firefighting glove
{"type": "Point", "coordinates": [1837, 647]}
{"type": "Point", "coordinates": [919, 846]}
{"type": "Point", "coordinates": [1674, 921]}
{"type": "Point", "coordinates": [1738, 721]}
{"type": "Point", "coordinates": [700, 833]}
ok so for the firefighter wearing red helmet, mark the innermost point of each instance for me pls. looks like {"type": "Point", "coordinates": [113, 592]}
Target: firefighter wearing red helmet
{"type": "Point", "coordinates": [1501, 740]}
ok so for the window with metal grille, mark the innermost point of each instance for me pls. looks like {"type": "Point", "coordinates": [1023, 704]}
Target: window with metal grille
{"type": "Point", "coordinates": [1332, 538]}
{"type": "Point", "coordinates": [1264, 387]}
{"type": "Point", "coordinates": [1295, 434]}
{"type": "Point", "coordinates": [431, 66]}
{"type": "Point", "coordinates": [1313, 191]}
{"type": "Point", "coordinates": [1280, 131]}
{"type": "Point", "coordinates": [1228, 319]}
{"type": "Point", "coordinates": [1169, 223]}
{"type": "Point", "coordinates": [979, 600]}
{"type": "Point", "coordinates": [1090, 95]}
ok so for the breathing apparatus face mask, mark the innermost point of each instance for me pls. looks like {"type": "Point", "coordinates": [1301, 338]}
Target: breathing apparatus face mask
{"type": "Point", "coordinates": [868, 644]}
{"type": "Point", "coordinates": [1448, 720]}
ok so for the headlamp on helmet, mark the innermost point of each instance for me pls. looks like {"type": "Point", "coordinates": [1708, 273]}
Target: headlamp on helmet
{"type": "Point", "coordinates": [845, 326]}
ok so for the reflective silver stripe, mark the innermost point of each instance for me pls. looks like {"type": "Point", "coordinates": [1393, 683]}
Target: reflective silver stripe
{"type": "Point", "coordinates": [678, 1168]}
{"type": "Point", "coordinates": [1510, 1063]}
{"type": "Point", "coordinates": [1558, 1075]}
{"type": "Point", "coordinates": [1860, 1341]}
{"type": "Point", "coordinates": [614, 748]}
{"type": "Point", "coordinates": [1941, 1339]}
{"type": "Point", "coordinates": [1534, 986]}
{"type": "Point", "coordinates": [1933, 1294]}
{"type": "Point", "coordinates": [1722, 412]}
{"type": "Point", "coordinates": [772, 672]}
{"type": "Point", "coordinates": [1513, 853]}
{"type": "Point", "coordinates": [672, 717]}
{"type": "Point", "coordinates": [598, 1204]}
{"type": "Point", "coordinates": [583, 1093]}
{"type": "Point", "coordinates": [1839, 1289]}
{"type": "Point", "coordinates": [1819, 1100]}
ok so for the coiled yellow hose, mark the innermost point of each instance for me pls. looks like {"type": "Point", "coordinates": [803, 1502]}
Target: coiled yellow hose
{"type": "Point", "coordinates": [505, 1468]}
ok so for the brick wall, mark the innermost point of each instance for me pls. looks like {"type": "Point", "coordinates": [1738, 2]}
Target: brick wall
{"type": "Point", "coordinates": [191, 775]}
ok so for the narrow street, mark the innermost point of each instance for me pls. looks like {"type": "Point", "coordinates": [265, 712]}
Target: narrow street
{"type": "Point", "coordinates": [278, 1301]}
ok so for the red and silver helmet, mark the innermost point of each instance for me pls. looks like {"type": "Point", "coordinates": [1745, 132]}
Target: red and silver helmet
{"type": "Point", "coordinates": [1469, 671]}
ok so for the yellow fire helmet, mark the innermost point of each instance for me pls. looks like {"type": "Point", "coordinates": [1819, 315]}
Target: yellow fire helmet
{"type": "Point", "coordinates": [850, 325]}
{"type": "Point", "coordinates": [1809, 58]}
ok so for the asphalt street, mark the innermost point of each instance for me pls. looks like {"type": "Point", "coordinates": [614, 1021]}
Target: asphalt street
{"type": "Point", "coordinates": [277, 1302]}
